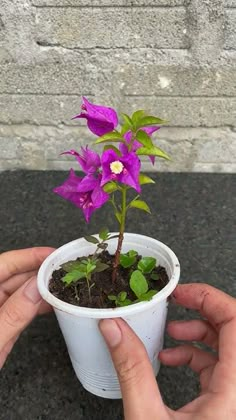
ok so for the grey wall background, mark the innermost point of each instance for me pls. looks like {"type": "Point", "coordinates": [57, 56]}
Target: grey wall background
{"type": "Point", "coordinates": [176, 58]}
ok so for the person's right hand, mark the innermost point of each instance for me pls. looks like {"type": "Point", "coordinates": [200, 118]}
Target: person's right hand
{"type": "Point", "coordinates": [217, 371]}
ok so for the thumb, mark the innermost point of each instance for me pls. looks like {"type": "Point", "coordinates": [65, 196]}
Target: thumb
{"type": "Point", "coordinates": [141, 397]}
{"type": "Point", "coordinates": [18, 311]}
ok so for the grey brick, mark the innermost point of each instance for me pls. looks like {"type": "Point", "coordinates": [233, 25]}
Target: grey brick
{"type": "Point", "coordinates": [51, 79]}
{"type": "Point", "coordinates": [230, 29]}
{"type": "Point", "coordinates": [230, 3]}
{"type": "Point", "coordinates": [218, 149]}
{"type": "Point", "coordinates": [187, 112]}
{"type": "Point", "coordinates": [214, 167]}
{"type": "Point", "coordinates": [55, 110]}
{"type": "Point", "coordinates": [206, 30]}
{"type": "Point", "coordinates": [190, 148]}
{"type": "Point", "coordinates": [38, 109]}
{"type": "Point", "coordinates": [131, 79]}
{"type": "Point", "coordinates": [18, 25]}
{"type": "Point", "coordinates": [66, 138]}
{"type": "Point", "coordinates": [178, 81]}
{"type": "Point", "coordinates": [112, 27]}
{"type": "Point", "coordinates": [9, 147]}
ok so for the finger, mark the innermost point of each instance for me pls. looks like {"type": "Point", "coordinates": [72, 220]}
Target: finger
{"type": "Point", "coordinates": [13, 283]}
{"type": "Point", "coordinates": [195, 330]}
{"type": "Point", "coordinates": [21, 261]}
{"type": "Point", "coordinates": [6, 350]}
{"type": "Point", "coordinates": [137, 381]}
{"type": "Point", "coordinates": [195, 358]}
{"type": "Point", "coordinates": [18, 311]}
{"type": "Point", "coordinates": [198, 360]}
{"type": "Point", "coordinates": [44, 308]}
{"type": "Point", "coordinates": [212, 303]}
{"type": "Point", "coordinates": [220, 311]}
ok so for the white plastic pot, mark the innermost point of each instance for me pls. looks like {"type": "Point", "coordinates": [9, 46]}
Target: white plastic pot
{"type": "Point", "coordinates": [87, 349]}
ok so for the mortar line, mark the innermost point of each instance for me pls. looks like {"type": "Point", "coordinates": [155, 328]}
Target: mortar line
{"type": "Point", "coordinates": [125, 95]}
{"type": "Point", "coordinates": [62, 125]}
{"type": "Point", "coordinates": [96, 48]}
{"type": "Point", "coordinates": [132, 7]}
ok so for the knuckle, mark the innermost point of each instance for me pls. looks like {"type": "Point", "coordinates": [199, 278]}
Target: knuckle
{"type": "Point", "coordinates": [130, 369]}
{"type": "Point", "coordinates": [12, 316]}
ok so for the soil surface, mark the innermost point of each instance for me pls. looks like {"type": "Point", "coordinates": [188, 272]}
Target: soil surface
{"type": "Point", "coordinates": [103, 285]}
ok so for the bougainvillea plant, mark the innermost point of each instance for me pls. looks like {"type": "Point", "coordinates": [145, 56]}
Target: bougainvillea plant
{"type": "Point", "coordinates": [108, 177]}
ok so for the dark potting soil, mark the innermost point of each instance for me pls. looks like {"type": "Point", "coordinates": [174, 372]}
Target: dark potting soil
{"type": "Point", "coordinates": [103, 285]}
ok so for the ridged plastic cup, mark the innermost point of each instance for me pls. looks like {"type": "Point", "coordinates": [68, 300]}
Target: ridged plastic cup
{"type": "Point", "coordinates": [87, 350]}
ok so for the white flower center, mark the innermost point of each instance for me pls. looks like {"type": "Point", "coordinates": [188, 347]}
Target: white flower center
{"type": "Point", "coordinates": [116, 167]}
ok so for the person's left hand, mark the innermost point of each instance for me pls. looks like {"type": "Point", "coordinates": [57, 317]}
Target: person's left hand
{"type": "Point", "coordinates": [20, 300]}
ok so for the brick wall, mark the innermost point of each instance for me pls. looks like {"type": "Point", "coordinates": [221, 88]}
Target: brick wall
{"type": "Point", "coordinates": [176, 58]}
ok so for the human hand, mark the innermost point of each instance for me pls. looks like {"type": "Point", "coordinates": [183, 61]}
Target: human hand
{"type": "Point", "coordinates": [141, 396]}
{"type": "Point", "coordinates": [20, 300]}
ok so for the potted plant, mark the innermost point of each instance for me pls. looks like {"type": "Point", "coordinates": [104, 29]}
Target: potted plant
{"type": "Point", "coordinates": [110, 275]}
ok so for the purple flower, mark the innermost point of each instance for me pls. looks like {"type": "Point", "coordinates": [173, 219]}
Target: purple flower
{"type": "Point", "coordinates": [85, 193]}
{"type": "Point", "coordinates": [88, 159]}
{"type": "Point", "coordinates": [100, 119]}
{"type": "Point", "coordinates": [124, 169]}
{"type": "Point", "coordinates": [136, 145]}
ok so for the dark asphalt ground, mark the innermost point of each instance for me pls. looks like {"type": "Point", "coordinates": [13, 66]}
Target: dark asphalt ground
{"type": "Point", "coordinates": [192, 213]}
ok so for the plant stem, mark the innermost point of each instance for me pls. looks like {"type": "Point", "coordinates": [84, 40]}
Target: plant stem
{"type": "Point", "coordinates": [76, 293]}
{"type": "Point", "coordinates": [132, 141]}
{"type": "Point", "coordinates": [121, 233]}
{"type": "Point", "coordinates": [88, 284]}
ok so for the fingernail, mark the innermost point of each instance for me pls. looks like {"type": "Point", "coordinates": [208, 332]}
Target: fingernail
{"type": "Point", "coordinates": [111, 332]}
{"type": "Point", "coordinates": [31, 291]}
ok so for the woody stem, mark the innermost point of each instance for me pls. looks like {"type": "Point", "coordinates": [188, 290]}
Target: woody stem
{"type": "Point", "coordinates": [121, 234]}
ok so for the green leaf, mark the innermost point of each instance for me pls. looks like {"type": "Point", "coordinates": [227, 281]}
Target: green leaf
{"type": "Point", "coordinates": [104, 233]}
{"type": "Point", "coordinates": [71, 266]}
{"type": "Point", "coordinates": [148, 296]}
{"type": "Point", "coordinates": [110, 187]}
{"type": "Point", "coordinates": [155, 276]}
{"type": "Point", "coordinates": [118, 216]}
{"type": "Point", "coordinates": [125, 302]}
{"type": "Point", "coordinates": [128, 121]}
{"type": "Point", "coordinates": [114, 136]}
{"type": "Point", "coordinates": [91, 239]}
{"type": "Point", "coordinates": [152, 151]}
{"type": "Point", "coordinates": [120, 300]}
{"type": "Point", "coordinates": [139, 204]}
{"type": "Point", "coordinates": [124, 128]}
{"type": "Point", "coordinates": [101, 267]}
{"type": "Point", "coordinates": [111, 297]}
{"type": "Point", "coordinates": [150, 120]}
{"type": "Point", "coordinates": [144, 139]}
{"type": "Point", "coordinates": [144, 179]}
{"type": "Point", "coordinates": [74, 266]}
{"type": "Point", "coordinates": [147, 264]}
{"type": "Point", "coordinates": [122, 296]}
{"type": "Point", "coordinates": [82, 267]}
{"type": "Point", "coordinates": [137, 116]}
{"type": "Point", "coordinates": [132, 253]}
{"type": "Point", "coordinates": [91, 268]}
{"type": "Point", "coordinates": [138, 283]}
{"type": "Point", "coordinates": [111, 147]}
{"type": "Point", "coordinates": [73, 276]}
{"type": "Point", "coordinates": [113, 237]}
{"type": "Point", "coordinates": [127, 260]}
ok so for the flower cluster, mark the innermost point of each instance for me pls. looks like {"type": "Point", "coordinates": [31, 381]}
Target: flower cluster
{"type": "Point", "coordinates": [118, 168]}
